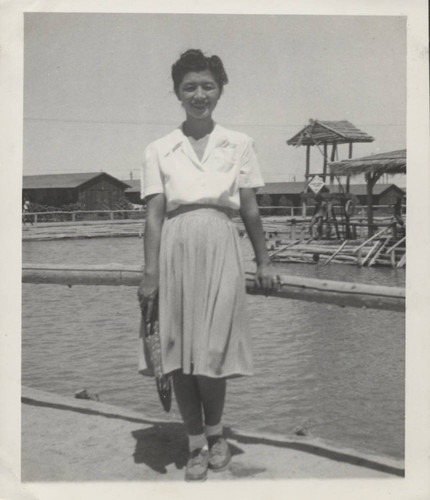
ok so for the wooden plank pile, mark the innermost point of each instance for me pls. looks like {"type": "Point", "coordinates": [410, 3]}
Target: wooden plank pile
{"type": "Point", "coordinates": [378, 250]}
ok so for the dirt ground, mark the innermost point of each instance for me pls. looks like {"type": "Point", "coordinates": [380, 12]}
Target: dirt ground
{"type": "Point", "coordinates": [65, 439]}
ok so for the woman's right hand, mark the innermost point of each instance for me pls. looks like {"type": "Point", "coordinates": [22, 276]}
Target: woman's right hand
{"type": "Point", "coordinates": [147, 293]}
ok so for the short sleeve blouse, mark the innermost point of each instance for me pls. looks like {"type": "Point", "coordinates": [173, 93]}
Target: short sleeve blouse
{"type": "Point", "coordinates": [229, 162]}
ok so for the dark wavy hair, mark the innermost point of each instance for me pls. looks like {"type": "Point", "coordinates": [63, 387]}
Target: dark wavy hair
{"type": "Point", "coordinates": [195, 60]}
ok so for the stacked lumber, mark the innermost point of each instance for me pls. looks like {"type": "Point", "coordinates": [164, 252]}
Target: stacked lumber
{"type": "Point", "coordinates": [379, 250]}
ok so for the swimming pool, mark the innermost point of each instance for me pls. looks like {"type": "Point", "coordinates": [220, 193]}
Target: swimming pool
{"type": "Point", "coordinates": [334, 373]}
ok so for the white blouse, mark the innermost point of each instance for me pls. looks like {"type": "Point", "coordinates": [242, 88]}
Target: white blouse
{"type": "Point", "coordinates": [229, 162]}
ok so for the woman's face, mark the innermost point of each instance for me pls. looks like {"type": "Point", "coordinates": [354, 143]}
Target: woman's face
{"type": "Point", "coordinates": [199, 94]}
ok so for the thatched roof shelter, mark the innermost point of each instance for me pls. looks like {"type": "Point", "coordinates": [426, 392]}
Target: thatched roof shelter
{"type": "Point", "coordinates": [373, 167]}
{"type": "Point", "coordinates": [393, 162]}
{"type": "Point", "coordinates": [320, 131]}
{"type": "Point", "coordinates": [325, 133]}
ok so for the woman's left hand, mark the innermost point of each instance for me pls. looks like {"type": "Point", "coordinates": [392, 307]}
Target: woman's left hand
{"type": "Point", "coordinates": [266, 277]}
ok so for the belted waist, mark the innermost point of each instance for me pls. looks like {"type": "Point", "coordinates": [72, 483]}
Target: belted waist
{"type": "Point", "coordinates": [198, 208]}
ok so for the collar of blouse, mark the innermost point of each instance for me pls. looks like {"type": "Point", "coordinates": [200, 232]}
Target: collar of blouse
{"type": "Point", "coordinates": [217, 139]}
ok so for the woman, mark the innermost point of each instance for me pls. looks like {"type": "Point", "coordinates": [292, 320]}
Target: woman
{"type": "Point", "coordinates": [193, 179]}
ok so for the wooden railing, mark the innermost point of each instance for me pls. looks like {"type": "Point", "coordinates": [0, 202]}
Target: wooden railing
{"type": "Point", "coordinates": [291, 287]}
{"type": "Point", "coordinates": [293, 227]}
{"type": "Point", "coordinates": [35, 217]}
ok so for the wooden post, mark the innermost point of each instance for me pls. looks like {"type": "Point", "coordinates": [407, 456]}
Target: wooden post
{"type": "Point", "coordinates": [369, 190]}
{"type": "Point", "coordinates": [393, 258]}
{"type": "Point", "coordinates": [347, 226]}
{"type": "Point", "coordinates": [73, 216]}
{"type": "Point", "coordinates": [333, 151]}
{"type": "Point", "coordinates": [333, 157]}
{"type": "Point", "coordinates": [359, 256]}
{"type": "Point", "coordinates": [348, 177]}
{"type": "Point", "coordinates": [35, 219]}
{"type": "Point", "coordinates": [293, 229]}
{"type": "Point", "coordinates": [308, 162]}
{"type": "Point", "coordinates": [325, 162]}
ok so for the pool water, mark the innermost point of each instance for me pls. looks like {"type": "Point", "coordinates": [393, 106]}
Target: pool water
{"type": "Point", "coordinates": [335, 373]}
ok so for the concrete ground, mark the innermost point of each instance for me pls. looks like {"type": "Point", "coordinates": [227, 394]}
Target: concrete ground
{"type": "Point", "coordinates": [66, 439]}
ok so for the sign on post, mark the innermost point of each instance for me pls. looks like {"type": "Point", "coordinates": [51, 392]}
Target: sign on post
{"type": "Point", "coordinates": [316, 184]}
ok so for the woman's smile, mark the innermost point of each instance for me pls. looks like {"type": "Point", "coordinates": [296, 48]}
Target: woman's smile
{"type": "Point", "coordinates": [199, 104]}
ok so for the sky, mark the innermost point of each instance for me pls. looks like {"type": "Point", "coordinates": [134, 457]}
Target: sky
{"type": "Point", "coordinates": [97, 87]}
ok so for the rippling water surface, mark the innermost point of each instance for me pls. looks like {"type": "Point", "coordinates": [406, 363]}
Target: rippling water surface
{"type": "Point", "coordinates": [338, 372]}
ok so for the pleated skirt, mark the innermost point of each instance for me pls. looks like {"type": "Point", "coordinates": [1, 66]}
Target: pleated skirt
{"type": "Point", "coordinates": [202, 298]}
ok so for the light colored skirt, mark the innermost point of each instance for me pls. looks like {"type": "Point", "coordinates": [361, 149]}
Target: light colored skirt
{"type": "Point", "coordinates": [203, 320]}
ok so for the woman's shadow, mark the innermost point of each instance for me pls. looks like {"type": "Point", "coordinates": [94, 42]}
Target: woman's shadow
{"type": "Point", "coordinates": [164, 444]}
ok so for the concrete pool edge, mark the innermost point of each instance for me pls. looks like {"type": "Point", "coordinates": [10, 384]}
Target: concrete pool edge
{"type": "Point", "coordinates": [332, 460]}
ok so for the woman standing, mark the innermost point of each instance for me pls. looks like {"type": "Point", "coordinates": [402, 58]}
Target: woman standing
{"type": "Point", "coordinates": [193, 179]}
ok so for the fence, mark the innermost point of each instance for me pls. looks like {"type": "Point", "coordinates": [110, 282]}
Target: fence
{"type": "Point", "coordinates": [82, 215]}
{"type": "Point", "coordinates": [94, 215]}
{"type": "Point", "coordinates": [307, 211]}
{"type": "Point", "coordinates": [113, 221]}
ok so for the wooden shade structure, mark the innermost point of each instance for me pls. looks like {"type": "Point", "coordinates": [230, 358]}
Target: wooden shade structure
{"type": "Point", "coordinates": [322, 132]}
{"type": "Point", "coordinates": [373, 167]}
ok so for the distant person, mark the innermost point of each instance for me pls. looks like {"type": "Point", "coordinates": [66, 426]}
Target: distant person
{"type": "Point", "coordinates": [25, 211]}
{"type": "Point", "coordinates": [194, 178]}
{"type": "Point", "coordinates": [397, 212]}
{"type": "Point", "coordinates": [318, 218]}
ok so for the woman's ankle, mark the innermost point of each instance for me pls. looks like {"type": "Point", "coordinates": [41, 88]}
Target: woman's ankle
{"type": "Point", "coordinates": [214, 430]}
{"type": "Point", "coordinates": [197, 441]}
